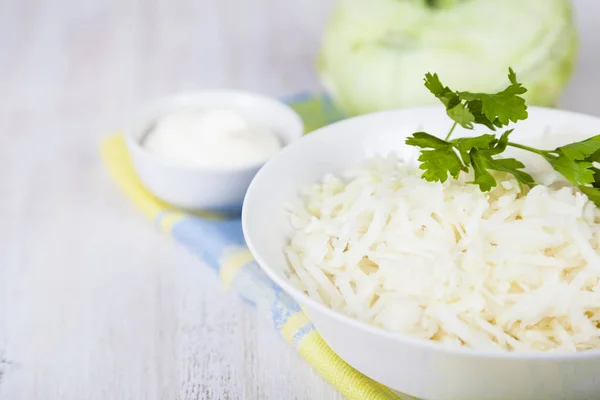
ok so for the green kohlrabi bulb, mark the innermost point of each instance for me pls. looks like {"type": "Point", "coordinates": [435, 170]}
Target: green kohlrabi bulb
{"type": "Point", "coordinates": [375, 53]}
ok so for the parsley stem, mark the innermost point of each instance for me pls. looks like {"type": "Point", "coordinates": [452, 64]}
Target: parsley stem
{"type": "Point", "coordinates": [527, 148]}
{"type": "Point", "coordinates": [451, 130]}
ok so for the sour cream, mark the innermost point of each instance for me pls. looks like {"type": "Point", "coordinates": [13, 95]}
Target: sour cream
{"type": "Point", "coordinates": [216, 137]}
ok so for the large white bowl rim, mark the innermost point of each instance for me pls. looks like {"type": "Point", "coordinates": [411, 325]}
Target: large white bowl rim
{"type": "Point", "coordinates": [435, 112]}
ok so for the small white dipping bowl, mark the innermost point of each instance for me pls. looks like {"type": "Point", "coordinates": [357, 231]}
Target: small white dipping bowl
{"type": "Point", "coordinates": [198, 187]}
{"type": "Point", "coordinates": [426, 370]}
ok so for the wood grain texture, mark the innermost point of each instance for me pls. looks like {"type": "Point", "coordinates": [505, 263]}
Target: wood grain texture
{"type": "Point", "coordinates": [94, 304]}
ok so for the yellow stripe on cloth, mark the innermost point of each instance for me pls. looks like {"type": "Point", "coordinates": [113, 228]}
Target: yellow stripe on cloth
{"type": "Point", "coordinates": [232, 264]}
{"type": "Point", "coordinates": [116, 158]}
{"type": "Point", "coordinates": [351, 383]}
{"type": "Point", "coordinates": [167, 221]}
{"type": "Point", "coordinates": [293, 325]}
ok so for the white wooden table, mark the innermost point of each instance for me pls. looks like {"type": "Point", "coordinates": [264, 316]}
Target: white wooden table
{"type": "Point", "coordinates": [94, 304]}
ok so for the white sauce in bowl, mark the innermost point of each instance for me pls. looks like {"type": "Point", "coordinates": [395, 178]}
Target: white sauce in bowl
{"type": "Point", "coordinates": [215, 137]}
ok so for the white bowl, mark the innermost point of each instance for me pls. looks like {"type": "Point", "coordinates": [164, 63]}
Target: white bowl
{"type": "Point", "coordinates": [423, 369]}
{"type": "Point", "coordinates": [196, 187]}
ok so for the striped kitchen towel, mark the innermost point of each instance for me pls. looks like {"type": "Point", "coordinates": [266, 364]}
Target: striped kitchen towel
{"type": "Point", "coordinates": [220, 244]}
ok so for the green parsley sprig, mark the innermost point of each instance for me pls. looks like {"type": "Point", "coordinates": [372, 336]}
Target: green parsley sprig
{"type": "Point", "coordinates": [441, 158]}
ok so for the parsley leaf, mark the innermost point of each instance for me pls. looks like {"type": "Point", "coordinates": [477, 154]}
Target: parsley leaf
{"type": "Point", "coordinates": [492, 110]}
{"type": "Point", "coordinates": [591, 192]}
{"type": "Point", "coordinates": [596, 182]}
{"type": "Point", "coordinates": [513, 167]}
{"type": "Point", "coordinates": [483, 178]}
{"type": "Point", "coordinates": [440, 158]}
{"type": "Point", "coordinates": [435, 86]}
{"type": "Point", "coordinates": [455, 109]}
{"type": "Point", "coordinates": [576, 172]}
{"type": "Point", "coordinates": [437, 164]}
{"type": "Point", "coordinates": [475, 107]}
{"type": "Point", "coordinates": [462, 115]}
{"type": "Point", "coordinates": [502, 107]}
{"type": "Point", "coordinates": [482, 161]}
{"type": "Point", "coordinates": [425, 140]}
{"type": "Point", "coordinates": [580, 151]}
{"type": "Point", "coordinates": [575, 161]}
{"type": "Point", "coordinates": [502, 142]}
{"type": "Point", "coordinates": [512, 77]}
{"type": "Point", "coordinates": [464, 145]}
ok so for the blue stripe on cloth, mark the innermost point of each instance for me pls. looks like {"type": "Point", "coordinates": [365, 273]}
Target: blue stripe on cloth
{"type": "Point", "coordinates": [254, 286]}
{"type": "Point", "coordinates": [208, 238]}
{"type": "Point", "coordinates": [211, 240]}
{"type": "Point", "coordinates": [332, 113]}
{"type": "Point", "coordinates": [257, 288]}
{"type": "Point", "coordinates": [300, 97]}
{"type": "Point", "coordinates": [159, 217]}
{"type": "Point", "coordinates": [259, 276]}
{"type": "Point", "coordinates": [302, 332]}
{"type": "Point", "coordinates": [283, 307]}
